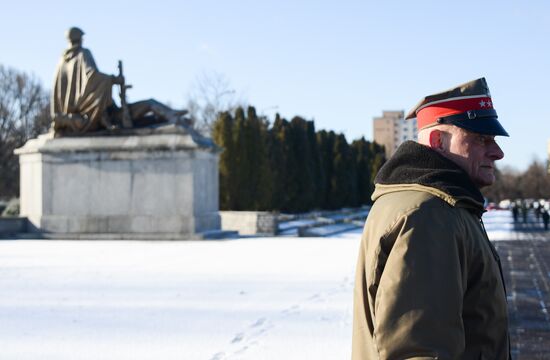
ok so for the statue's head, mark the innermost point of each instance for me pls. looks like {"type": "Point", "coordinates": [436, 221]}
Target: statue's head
{"type": "Point", "coordinates": [74, 35]}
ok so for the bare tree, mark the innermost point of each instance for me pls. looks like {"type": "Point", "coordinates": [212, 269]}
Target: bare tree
{"type": "Point", "coordinates": [509, 184]}
{"type": "Point", "coordinates": [506, 185]}
{"type": "Point", "coordinates": [211, 95]}
{"type": "Point", "coordinates": [24, 113]}
{"type": "Point", "coordinates": [535, 181]}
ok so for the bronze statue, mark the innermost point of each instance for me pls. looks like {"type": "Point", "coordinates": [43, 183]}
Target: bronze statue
{"type": "Point", "coordinates": [82, 97]}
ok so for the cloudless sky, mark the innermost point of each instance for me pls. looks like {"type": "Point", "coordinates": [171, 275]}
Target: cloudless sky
{"type": "Point", "coordinates": [340, 63]}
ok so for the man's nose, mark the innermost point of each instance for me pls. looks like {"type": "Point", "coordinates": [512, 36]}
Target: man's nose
{"type": "Point", "coordinates": [495, 152]}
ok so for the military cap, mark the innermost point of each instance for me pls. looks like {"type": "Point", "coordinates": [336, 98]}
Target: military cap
{"type": "Point", "coordinates": [468, 106]}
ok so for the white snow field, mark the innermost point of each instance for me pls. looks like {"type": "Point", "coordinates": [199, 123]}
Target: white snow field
{"type": "Point", "coordinates": [256, 298]}
{"type": "Point", "coordinates": [252, 298]}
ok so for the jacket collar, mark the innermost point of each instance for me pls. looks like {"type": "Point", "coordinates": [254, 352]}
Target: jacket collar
{"type": "Point", "coordinates": [417, 167]}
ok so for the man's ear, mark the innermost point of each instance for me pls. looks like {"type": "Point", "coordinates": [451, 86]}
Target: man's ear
{"type": "Point", "coordinates": [436, 140]}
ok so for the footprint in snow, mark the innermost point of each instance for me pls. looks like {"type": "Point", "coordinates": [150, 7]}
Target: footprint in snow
{"type": "Point", "coordinates": [239, 337]}
{"type": "Point", "coordinates": [295, 309]}
{"type": "Point", "coordinates": [218, 356]}
{"type": "Point", "coordinates": [259, 322]}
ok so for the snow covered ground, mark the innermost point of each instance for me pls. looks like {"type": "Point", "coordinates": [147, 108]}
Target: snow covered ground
{"type": "Point", "coordinates": [266, 298]}
{"type": "Point", "coordinates": [253, 298]}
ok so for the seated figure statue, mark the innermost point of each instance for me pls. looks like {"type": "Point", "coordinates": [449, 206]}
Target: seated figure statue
{"type": "Point", "coordinates": [82, 97]}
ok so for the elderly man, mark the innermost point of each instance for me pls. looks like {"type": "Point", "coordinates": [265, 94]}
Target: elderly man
{"type": "Point", "coordinates": [429, 283]}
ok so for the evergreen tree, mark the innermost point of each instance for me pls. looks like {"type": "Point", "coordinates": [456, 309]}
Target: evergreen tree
{"type": "Point", "coordinates": [242, 165]}
{"type": "Point", "coordinates": [279, 160]}
{"type": "Point", "coordinates": [342, 183]}
{"type": "Point", "coordinates": [325, 145]}
{"type": "Point", "coordinates": [266, 195]}
{"type": "Point", "coordinates": [260, 179]}
{"type": "Point", "coordinates": [318, 176]}
{"type": "Point", "coordinates": [364, 179]}
{"type": "Point", "coordinates": [250, 177]}
{"type": "Point", "coordinates": [378, 159]}
{"type": "Point", "coordinates": [222, 135]}
{"type": "Point", "coordinates": [302, 196]}
{"type": "Point", "coordinates": [292, 178]}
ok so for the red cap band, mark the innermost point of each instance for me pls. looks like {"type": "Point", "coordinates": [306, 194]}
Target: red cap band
{"type": "Point", "coordinates": [429, 113]}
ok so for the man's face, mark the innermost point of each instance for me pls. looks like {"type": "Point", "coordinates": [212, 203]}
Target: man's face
{"type": "Point", "coordinates": [475, 153]}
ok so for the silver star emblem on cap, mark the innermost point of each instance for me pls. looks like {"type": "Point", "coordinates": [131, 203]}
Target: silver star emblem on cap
{"type": "Point", "coordinates": [489, 103]}
{"type": "Point", "coordinates": [482, 103]}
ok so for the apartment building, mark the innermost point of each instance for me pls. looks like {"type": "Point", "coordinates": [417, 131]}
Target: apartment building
{"type": "Point", "coordinates": [391, 129]}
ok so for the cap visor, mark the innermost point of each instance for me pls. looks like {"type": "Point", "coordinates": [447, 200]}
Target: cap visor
{"type": "Point", "coordinates": [485, 126]}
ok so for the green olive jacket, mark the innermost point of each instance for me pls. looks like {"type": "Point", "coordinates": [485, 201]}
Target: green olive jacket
{"type": "Point", "coordinates": [429, 283]}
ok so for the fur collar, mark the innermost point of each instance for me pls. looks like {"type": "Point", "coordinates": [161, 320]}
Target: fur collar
{"type": "Point", "coordinates": [413, 163]}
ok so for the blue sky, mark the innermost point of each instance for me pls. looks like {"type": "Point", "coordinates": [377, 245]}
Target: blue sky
{"type": "Point", "coordinates": [340, 63]}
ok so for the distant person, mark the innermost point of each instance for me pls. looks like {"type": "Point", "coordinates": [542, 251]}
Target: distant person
{"type": "Point", "coordinates": [536, 210]}
{"type": "Point", "coordinates": [428, 282]}
{"type": "Point", "coordinates": [545, 217]}
{"type": "Point", "coordinates": [524, 210]}
{"type": "Point", "coordinates": [515, 212]}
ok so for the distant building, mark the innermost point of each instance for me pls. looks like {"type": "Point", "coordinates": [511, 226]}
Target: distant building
{"type": "Point", "coordinates": [391, 129]}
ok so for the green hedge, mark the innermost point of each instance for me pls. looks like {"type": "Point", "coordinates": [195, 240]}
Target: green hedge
{"type": "Point", "coordinates": [288, 166]}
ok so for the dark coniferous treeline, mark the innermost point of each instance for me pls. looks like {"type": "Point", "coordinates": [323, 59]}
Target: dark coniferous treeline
{"type": "Point", "coordinates": [290, 167]}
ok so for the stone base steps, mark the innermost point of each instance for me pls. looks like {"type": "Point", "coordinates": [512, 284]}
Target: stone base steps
{"type": "Point", "coordinates": [321, 224]}
{"type": "Point", "coordinates": [327, 230]}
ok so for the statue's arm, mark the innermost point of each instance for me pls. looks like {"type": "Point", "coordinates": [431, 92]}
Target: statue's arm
{"type": "Point", "coordinates": [91, 67]}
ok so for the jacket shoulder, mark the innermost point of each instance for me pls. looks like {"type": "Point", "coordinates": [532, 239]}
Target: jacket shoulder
{"type": "Point", "coordinates": [423, 206]}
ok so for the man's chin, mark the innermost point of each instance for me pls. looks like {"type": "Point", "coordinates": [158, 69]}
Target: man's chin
{"type": "Point", "coordinates": [485, 181]}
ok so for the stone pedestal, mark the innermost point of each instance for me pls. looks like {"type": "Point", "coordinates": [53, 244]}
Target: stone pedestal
{"type": "Point", "coordinates": [161, 182]}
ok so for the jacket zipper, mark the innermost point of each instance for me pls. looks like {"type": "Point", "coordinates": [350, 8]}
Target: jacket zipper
{"type": "Point", "coordinates": [495, 255]}
{"type": "Point", "coordinates": [497, 258]}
